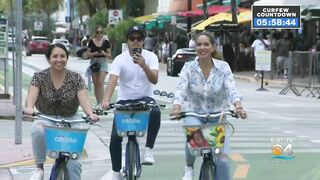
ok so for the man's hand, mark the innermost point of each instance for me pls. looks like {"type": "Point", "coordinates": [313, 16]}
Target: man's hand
{"type": "Point", "coordinates": [105, 104]}
{"type": "Point", "coordinates": [138, 59]}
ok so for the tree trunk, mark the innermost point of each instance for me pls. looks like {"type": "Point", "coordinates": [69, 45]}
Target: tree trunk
{"type": "Point", "coordinates": [92, 9]}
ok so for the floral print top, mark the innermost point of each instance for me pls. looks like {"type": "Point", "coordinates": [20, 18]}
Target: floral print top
{"type": "Point", "coordinates": [206, 95]}
{"type": "Point", "coordinates": [63, 101]}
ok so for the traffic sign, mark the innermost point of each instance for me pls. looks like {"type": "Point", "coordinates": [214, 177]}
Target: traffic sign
{"type": "Point", "coordinates": [115, 16]}
{"type": "Point", "coordinates": [38, 26]}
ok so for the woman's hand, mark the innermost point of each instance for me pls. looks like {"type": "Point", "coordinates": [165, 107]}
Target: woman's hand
{"type": "Point", "coordinates": [28, 111]}
{"type": "Point", "coordinates": [175, 113]}
{"type": "Point", "coordinates": [93, 117]}
{"type": "Point", "coordinates": [241, 112]}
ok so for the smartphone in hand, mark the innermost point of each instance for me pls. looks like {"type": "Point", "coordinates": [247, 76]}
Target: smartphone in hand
{"type": "Point", "coordinates": [136, 51]}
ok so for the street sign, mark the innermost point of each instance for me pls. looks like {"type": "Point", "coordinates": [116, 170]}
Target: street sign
{"type": "Point", "coordinates": [263, 61]}
{"type": "Point", "coordinates": [115, 16]}
{"type": "Point", "coordinates": [38, 26]}
{"type": "Point", "coordinates": [3, 38]}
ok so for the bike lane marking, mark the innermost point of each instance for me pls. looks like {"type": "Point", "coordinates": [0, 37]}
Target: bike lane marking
{"type": "Point", "coordinates": [242, 169]}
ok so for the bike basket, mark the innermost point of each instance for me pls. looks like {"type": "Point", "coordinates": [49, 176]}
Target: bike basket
{"type": "Point", "coordinates": [205, 138]}
{"type": "Point", "coordinates": [67, 140]}
{"type": "Point", "coordinates": [131, 121]}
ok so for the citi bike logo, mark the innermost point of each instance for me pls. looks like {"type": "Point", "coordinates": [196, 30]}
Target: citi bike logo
{"type": "Point", "coordinates": [131, 121]}
{"type": "Point", "coordinates": [63, 139]}
{"type": "Point", "coordinates": [281, 152]}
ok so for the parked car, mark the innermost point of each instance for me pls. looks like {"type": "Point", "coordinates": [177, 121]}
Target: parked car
{"type": "Point", "coordinates": [176, 62]}
{"type": "Point", "coordinates": [65, 42]}
{"type": "Point", "coordinates": [37, 45]}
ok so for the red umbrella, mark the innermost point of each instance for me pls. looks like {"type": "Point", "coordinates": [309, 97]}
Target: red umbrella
{"type": "Point", "coordinates": [211, 11]}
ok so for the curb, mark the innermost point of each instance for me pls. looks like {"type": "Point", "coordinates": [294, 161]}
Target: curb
{"type": "Point", "coordinates": [267, 82]}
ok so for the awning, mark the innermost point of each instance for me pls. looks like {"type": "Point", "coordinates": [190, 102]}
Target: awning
{"type": "Point", "coordinates": [142, 19]}
{"type": "Point", "coordinates": [158, 22]}
{"type": "Point", "coordinates": [211, 11]}
{"type": "Point", "coordinates": [243, 17]}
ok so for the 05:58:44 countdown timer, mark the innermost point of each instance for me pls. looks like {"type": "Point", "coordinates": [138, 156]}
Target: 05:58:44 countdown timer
{"type": "Point", "coordinates": [275, 22]}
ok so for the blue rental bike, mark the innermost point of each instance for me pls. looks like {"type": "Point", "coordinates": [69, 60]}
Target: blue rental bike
{"type": "Point", "coordinates": [131, 121]}
{"type": "Point", "coordinates": [63, 143]}
{"type": "Point", "coordinates": [207, 140]}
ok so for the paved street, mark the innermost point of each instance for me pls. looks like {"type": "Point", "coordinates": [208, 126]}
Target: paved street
{"type": "Point", "coordinates": [273, 119]}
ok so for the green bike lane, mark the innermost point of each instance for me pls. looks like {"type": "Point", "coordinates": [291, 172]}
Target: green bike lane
{"type": "Point", "coordinates": [305, 166]}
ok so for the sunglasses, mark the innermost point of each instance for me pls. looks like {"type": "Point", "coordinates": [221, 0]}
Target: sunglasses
{"type": "Point", "coordinates": [99, 32]}
{"type": "Point", "coordinates": [133, 38]}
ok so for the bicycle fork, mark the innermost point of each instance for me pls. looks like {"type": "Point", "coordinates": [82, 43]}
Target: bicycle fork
{"type": "Point", "coordinates": [133, 139]}
{"type": "Point", "coordinates": [54, 169]}
{"type": "Point", "coordinates": [208, 168]}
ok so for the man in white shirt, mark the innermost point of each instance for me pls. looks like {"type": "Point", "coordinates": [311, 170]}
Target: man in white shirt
{"type": "Point", "coordinates": [260, 44]}
{"type": "Point", "coordinates": [137, 72]}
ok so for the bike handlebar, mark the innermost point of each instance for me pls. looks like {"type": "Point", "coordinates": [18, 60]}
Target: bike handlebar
{"type": "Point", "coordinates": [85, 119]}
{"type": "Point", "coordinates": [206, 116]}
{"type": "Point", "coordinates": [134, 106]}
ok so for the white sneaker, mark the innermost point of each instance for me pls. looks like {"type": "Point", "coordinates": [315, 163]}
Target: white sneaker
{"type": "Point", "coordinates": [188, 173]}
{"type": "Point", "coordinates": [117, 176]}
{"type": "Point", "coordinates": [148, 157]}
{"type": "Point", "coordinates": [37, 175]}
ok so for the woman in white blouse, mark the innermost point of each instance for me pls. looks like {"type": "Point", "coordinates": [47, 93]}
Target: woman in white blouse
{"type": "Point", "coordinates": [208, 86]}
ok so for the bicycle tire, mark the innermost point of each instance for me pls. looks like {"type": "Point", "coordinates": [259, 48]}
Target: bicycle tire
{"type": "Point", "coordinates": [132, 160]}
{"type": "Point", "coordinates": [62, 172]}
{"type": "Point", "coordinates": [207, 171]}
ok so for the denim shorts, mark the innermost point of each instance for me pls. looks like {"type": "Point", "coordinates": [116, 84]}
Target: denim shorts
{"type": "Point", "coordinates": [103, 63]}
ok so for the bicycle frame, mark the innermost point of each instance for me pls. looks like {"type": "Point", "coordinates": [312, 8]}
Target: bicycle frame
{"type": "Point", "coordinates": [132, 124]}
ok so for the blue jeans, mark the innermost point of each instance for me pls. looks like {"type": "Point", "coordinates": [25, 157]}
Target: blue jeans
{"type": "Point", "coordinates": [39, 145]}
{"type": "Point", "coordinates": [222, 162]}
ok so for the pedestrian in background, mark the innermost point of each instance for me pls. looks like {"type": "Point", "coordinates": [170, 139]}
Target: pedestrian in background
{"type": "Point", "coordinates": [282, 48]}
{"type": "Point", "coordinates": [57, 92]}
{"type": "Point", "coordinates": [260, 44]}
{"type": "Point", "coordinates": [137, 72]}
{"type": "Point", "coordinates": [99, 51]}
{"type": "Point", "coordinates": [150, 42]}
{"type": "Point", "coordinates": [208, 86]}
{"type": "Point", "coordinates": [192, 43]}
{"type": "Point", "coordinates": [165, 50]}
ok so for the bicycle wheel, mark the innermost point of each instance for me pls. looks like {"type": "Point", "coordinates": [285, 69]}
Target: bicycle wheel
{"type": "Point", "coordinates": [207, 171]}
{"type": "Point", "coordinates": [62, 172]}
{"type": "Point", "coordinates": [132, 160]}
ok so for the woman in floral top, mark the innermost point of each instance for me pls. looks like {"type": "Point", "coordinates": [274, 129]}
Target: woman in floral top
{"type": "Point", "coordinates": [208, 86]}
{"type": "Point", "coordinates": [56, 92]}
